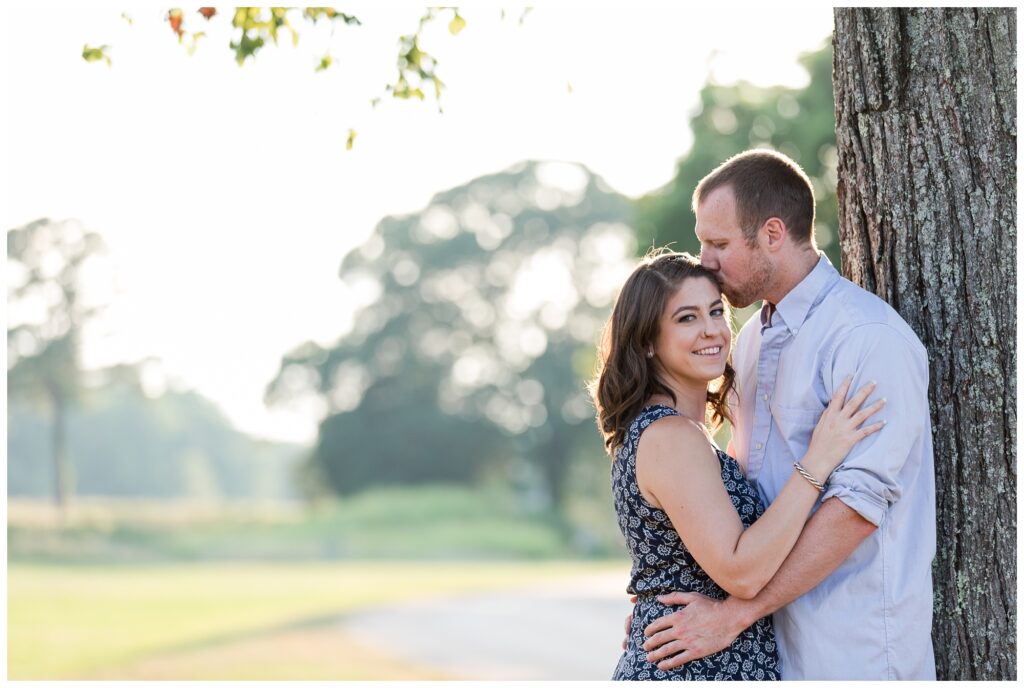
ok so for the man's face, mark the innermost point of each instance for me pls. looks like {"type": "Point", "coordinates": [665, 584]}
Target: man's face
{"type": "Point", "coordinates": [744, 271]}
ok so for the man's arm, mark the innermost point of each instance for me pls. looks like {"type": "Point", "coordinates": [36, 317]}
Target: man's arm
{"type": "Point", "coordinates": [859, 493]}
{"type": "Point", "coordinates": [705, 626]}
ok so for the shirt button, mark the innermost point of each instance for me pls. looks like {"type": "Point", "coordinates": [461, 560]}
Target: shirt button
{"type": "Point", "coordinates": [759, 445]}
{"type": "Point", "coordinates": [765, 397]}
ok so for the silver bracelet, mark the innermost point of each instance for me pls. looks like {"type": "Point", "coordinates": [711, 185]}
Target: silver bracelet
{"type": "Point", "coordinates": [810, 478]}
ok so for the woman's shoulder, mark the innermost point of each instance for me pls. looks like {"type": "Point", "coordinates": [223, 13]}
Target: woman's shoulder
{"type": "Point", "coordinates": [674, 448]}
{"type": "Point", "coordinates": [671, 433]}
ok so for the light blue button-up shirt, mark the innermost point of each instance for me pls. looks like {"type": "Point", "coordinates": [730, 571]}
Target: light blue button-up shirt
{"type": "Point", "coordinates": [872, 617]}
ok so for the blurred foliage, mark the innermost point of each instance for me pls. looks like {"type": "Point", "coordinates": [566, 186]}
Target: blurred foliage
{"type": "Point", "coordinates": [97, 433]}
{"type": "Point", "coordinates": [126, 444]}
{"type": "Point", "coordinates": [254, 28]}
{"type": "Point", "coordinates": [420, 66]}
{"type": "Point", "coordinates": [46, 313]}
{"type": "Point", "coordinates": [46, 309]}
{"type": "Point", "coordinates": [471, 354]}
{"type": "Point", "coordinates": [734, 117]}
{"type": "Point", "coordinates": [256, 24]}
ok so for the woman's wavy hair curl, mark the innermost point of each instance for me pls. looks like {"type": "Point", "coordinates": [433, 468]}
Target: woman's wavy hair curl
{"type": "Point", "coordinates": [625, 377]}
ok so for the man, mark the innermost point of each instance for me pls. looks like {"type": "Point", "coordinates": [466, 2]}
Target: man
{"type": "Point", "coordinates": [854, 598]}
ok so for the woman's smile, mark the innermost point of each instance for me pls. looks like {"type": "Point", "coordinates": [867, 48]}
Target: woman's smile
{"type": "Point", "coordinates": [710, 351]}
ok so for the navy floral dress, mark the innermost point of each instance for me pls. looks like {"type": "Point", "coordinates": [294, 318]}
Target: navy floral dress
{"type": "Point", "coordinates": [662, 564]}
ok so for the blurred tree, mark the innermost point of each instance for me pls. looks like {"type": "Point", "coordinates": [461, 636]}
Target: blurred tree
{"type": "Point", "coordinates": [191, 449]}
{"type": "Point", "coordinates": [927, 128]}
{"type": "Point", "coordinates": [732, 118]}
{"type": "Point", "coordinates": [46, 313]}
{"type": "Point", "coordinates": [480, 329]}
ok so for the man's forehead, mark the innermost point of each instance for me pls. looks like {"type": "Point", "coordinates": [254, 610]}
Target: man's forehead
{"type": "Point", "coordinates": [715, 226]}
{"type": "Point", "coordinates": [712, 229]}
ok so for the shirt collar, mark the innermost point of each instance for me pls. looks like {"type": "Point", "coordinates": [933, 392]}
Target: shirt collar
{"type": "Point", "coordinates": [794, 306]}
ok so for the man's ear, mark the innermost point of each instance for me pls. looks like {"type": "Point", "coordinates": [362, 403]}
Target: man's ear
{"type": "Point", "coordinates": [774, 232]}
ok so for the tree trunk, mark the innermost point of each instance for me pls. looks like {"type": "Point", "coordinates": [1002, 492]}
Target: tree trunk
{"type": "Point", "coordinates": [555, 467]}
{"type": "Point", "coordinates": [63, 475]}
{"type": "Point", "coordinates": [926, 131]}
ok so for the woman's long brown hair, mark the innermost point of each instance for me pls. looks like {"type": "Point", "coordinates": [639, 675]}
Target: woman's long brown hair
{"type": "Point", "coordinates": [626, 378]}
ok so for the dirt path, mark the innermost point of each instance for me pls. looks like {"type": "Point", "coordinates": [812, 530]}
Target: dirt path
{"type": "Point", "coordinates": [570, 629]}
{"type": "Point", "coordinates": [317, 653]}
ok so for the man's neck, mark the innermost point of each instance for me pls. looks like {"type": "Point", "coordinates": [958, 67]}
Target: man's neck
{"type": "Point", "coordinates": [792, 273]}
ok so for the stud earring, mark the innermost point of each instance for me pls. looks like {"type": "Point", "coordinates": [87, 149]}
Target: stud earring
{"type": "Point", "coordinates": [650, 354]}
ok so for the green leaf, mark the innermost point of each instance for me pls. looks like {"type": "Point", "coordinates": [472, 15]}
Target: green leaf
{"type": "Point", "coordinates": [195, 41]}
{"type": "Point", "coordinates": [325, 62]}
{"type": "Point", "coordinates": [351, 139]}
{"type": "Point", "coordinates": [456, 24]}
{"type": "Point", "coordinates": [96, 54]}
{"type": "Point", "coordinates": [246, 46]}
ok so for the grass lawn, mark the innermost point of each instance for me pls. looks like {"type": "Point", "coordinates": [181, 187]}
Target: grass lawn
{"type": "Point", "coordinates": [225, 620]}
{"type": "Point", "coordinates": [435, 522]}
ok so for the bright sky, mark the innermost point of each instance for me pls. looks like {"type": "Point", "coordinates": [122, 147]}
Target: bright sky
{"type": "Point", "coordinates": [226, 195]}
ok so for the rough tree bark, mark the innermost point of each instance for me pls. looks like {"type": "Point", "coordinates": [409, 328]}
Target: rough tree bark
{"type": "Point", "coordinates": [926, 131]}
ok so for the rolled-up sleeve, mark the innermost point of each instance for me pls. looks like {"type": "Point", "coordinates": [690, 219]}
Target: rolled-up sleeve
{"type": "Point", "coordinates": [869, 479]}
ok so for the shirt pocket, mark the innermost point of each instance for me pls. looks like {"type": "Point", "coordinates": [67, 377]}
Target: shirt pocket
{"type": "Point", "coordinates": [795, 426]}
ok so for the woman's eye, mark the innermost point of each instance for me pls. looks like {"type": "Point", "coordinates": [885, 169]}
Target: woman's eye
{"type": "Point", "coordinates": [686, 318]}
{"type": "Point", "coordinates": [718, 312]}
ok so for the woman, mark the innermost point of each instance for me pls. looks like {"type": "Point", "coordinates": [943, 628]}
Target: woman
{"type": "Point", "coordinates": [691, 520]}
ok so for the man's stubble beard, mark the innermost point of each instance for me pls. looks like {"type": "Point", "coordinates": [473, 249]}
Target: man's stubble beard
{"type": "Point", "coordinates": [759, 275]}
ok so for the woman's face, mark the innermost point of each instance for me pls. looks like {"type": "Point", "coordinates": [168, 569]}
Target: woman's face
{"type": "Point", "coordinates": [695, 338]}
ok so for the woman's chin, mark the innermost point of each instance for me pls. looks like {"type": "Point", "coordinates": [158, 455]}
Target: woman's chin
{"type": "Point", "coordinates": [713, 372]}
{"type": "Point", "coordinates": [704, 373]}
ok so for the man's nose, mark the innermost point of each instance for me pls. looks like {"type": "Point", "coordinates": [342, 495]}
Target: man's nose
{"type": "Point", "coordinates": [708, 260]}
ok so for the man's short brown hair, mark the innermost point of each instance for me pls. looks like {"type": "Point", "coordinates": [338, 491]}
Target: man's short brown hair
{"type": "Point", "coordinates": [765, 184]}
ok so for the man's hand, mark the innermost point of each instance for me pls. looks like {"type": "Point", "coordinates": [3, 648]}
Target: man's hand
{"type": "Point", "coordinates": [702, 627]}
{"type": "Point", "coordinates": [705, 626]}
